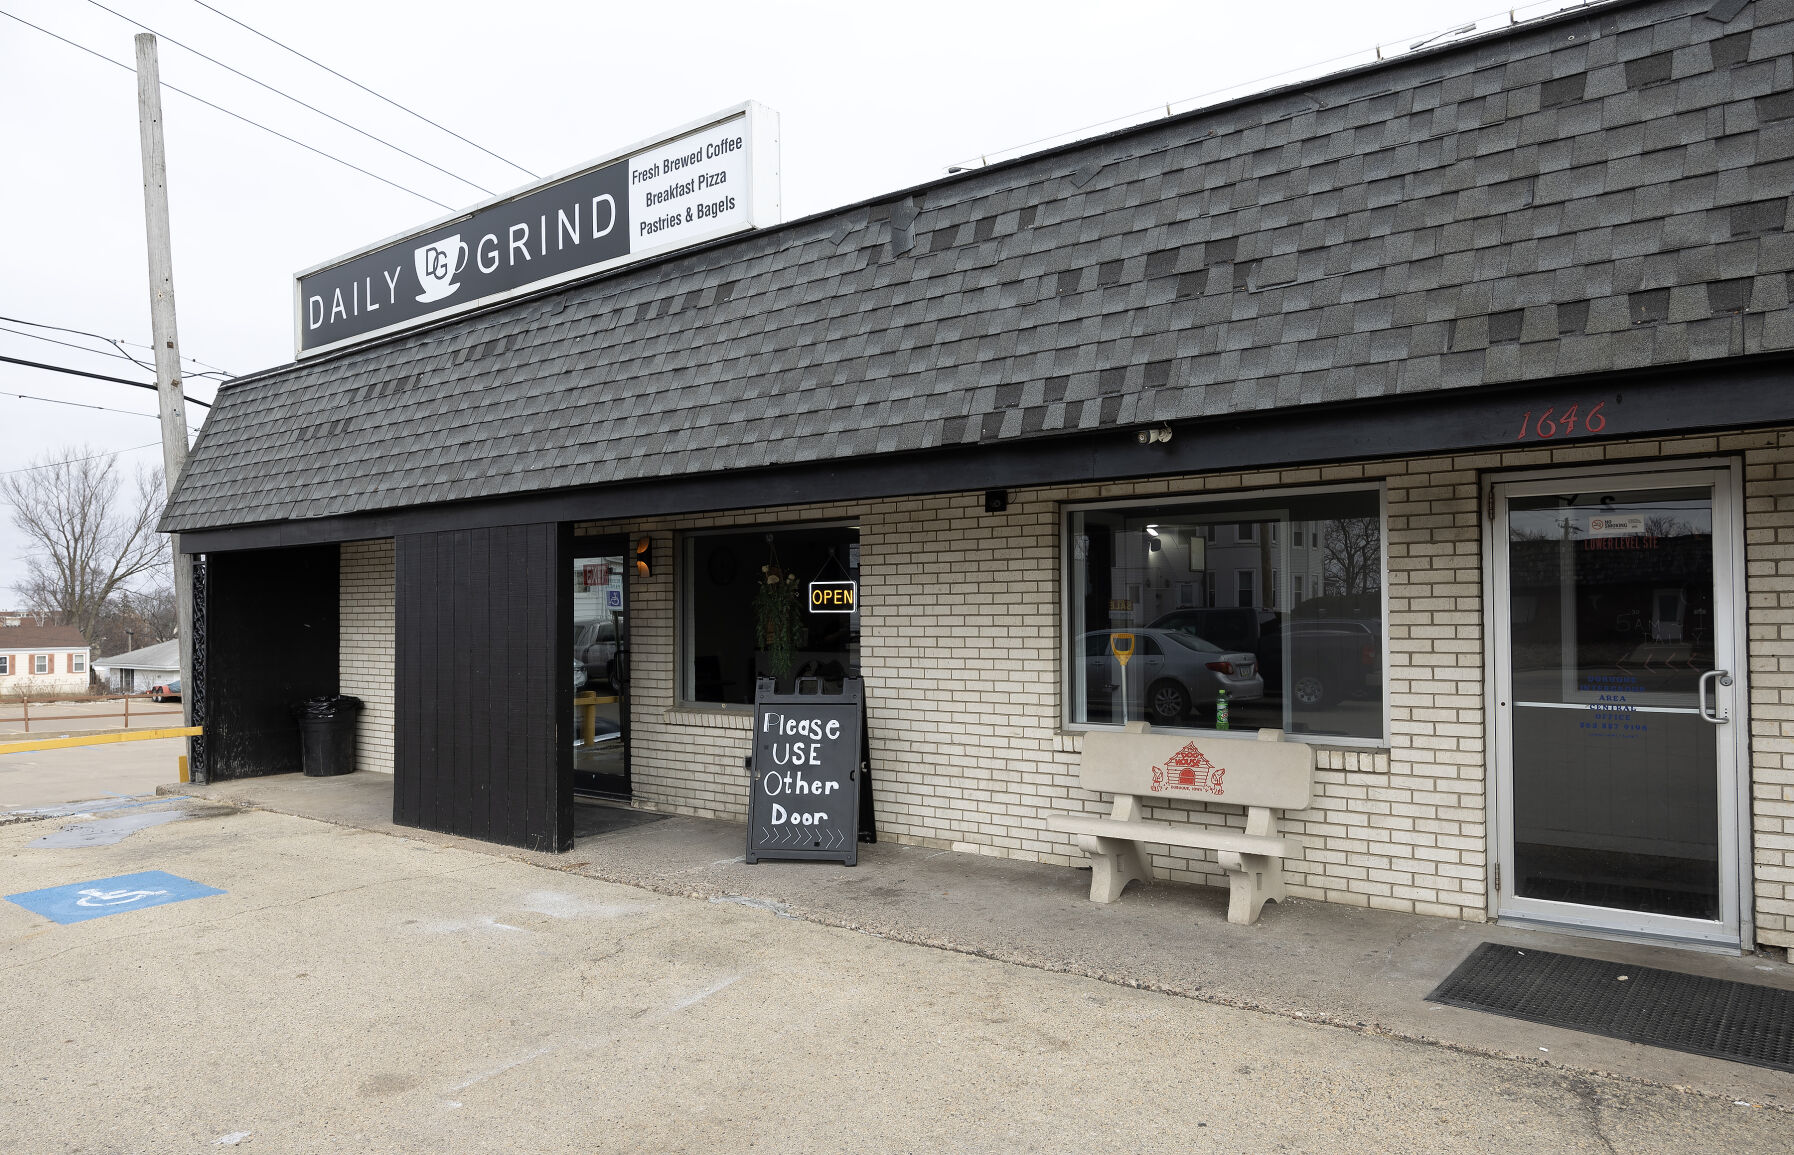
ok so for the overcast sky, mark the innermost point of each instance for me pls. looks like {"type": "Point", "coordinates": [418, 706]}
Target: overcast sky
{"type": "Point", "coordinates": [871, 98]}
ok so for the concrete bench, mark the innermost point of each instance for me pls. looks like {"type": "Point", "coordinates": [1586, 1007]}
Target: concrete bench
{"type": "Point", "coordinates": [1264, 775]}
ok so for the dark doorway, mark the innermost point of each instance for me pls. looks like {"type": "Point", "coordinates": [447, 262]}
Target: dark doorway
{"type": "Point", "coordinates": [270, 641]}
{"type": "Point", "coordinates": [598, 608]}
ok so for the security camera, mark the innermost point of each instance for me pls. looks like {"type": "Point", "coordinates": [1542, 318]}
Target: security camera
{"type": "Point", "coordinates": [1154, 436]}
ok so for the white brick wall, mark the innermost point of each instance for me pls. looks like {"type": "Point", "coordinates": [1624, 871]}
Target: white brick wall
{"type": "Point", "coordinates": [365, 646]}
{"type": "Point", "coordinates": [1769, 566]}
{"type": "Point", "coordinates": [961, 653]}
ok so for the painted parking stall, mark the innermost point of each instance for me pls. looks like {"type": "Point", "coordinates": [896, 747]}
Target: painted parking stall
{"type": "Point", "coordinates": [82, 901]}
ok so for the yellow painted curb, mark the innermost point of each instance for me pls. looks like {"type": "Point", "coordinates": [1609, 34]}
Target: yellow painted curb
{"type": "Point", "coordinates": [98, 739]}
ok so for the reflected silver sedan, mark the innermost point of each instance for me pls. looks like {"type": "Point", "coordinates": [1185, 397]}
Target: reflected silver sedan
{"type": "Point", "coordinates": [1169, 675]}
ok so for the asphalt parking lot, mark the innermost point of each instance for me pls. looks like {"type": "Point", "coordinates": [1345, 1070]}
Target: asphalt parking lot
{"type": "Point", "coordinates": [33, 778]}
{"type": "Point", "coordinates": [24, 721]}
{"type": "Point", "coordinates": [348, 990]}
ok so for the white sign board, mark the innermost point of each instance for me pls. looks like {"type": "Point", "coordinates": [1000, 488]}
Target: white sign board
{"type": "Point", "coordinates": [705, 180]}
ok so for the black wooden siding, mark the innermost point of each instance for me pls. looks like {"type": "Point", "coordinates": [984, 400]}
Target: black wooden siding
{"type": "Point", "coordinates": [271, 641]}
{"type": "Point", "coordinates": [485, 685]}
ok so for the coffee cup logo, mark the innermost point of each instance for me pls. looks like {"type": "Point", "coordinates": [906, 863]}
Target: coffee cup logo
{"type": "Point", "coordinates": [438, 264]}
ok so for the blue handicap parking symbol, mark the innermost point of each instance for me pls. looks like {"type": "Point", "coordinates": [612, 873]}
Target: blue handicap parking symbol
{"type": "Point", "coordinates": [613, 599]}
{"type": "Point", "coordinates": [80, 901]}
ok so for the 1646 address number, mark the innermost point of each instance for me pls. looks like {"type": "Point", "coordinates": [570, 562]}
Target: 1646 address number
{"type": "Point", "coordinates": [1553, 422]}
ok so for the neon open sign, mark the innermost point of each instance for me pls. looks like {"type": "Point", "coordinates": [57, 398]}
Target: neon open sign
{"type": "Point", "coordinates": [834, 597]}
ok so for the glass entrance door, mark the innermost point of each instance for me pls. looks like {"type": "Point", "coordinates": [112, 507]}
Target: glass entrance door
{"type": "Point", "coordinates": [1616, 704]}
{"type": "Point", "coordinates": [600, 723]}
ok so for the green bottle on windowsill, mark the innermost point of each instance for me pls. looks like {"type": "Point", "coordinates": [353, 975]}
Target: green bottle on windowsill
{"type": "Point", "coordinates": [1221, 711]}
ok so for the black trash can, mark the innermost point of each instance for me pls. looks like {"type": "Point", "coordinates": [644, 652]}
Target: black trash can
{"type": "Point", "coordinates": [327, 734]}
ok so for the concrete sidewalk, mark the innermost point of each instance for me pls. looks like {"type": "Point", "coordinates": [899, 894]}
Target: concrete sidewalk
{"type": "Point", "coordinates": [1363, 970]}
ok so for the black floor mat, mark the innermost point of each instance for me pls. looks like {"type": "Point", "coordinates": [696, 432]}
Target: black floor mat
{"type": "Point", "coordinates": [590, 818]}
{"type": "Point", "coordinates": [1742, 1022]}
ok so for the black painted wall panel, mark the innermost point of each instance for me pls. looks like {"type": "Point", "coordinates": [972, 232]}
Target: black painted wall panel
{"type": "Point", "coordinates": [485, 684]}
{"type": "Point", "coordinates": [271, 641]}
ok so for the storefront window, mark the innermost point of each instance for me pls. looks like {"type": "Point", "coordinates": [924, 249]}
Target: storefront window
{"type": "Point", "coordinates": [738, 627]}
{"type": "Point", "coordinates": [1291, 634]}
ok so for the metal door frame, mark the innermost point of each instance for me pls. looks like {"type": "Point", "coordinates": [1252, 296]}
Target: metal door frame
{"type": "Point", "coordinates": [1735, 926]}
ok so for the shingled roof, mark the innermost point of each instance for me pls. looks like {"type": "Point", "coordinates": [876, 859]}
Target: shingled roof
{"type": "Point", "coordinates": [1596, 192]}
{"type": "Point", "coordinates": [14, 638]}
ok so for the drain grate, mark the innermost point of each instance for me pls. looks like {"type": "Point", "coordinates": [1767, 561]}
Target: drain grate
{"type": "Point", "coordinates": [1742, 1022]}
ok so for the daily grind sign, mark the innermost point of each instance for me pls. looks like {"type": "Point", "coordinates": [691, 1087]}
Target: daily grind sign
{"type": "Point", "coordinates": [807, 774]}
{"type": "Point", "coordinates": [703, 181]}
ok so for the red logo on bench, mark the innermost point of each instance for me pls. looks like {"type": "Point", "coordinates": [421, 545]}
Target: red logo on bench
{"type": "Point", "coordinates": [1188, 769]}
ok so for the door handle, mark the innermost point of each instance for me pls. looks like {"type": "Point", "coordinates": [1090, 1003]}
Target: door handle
{"type": "Point", "coordinates": [1717, 715]}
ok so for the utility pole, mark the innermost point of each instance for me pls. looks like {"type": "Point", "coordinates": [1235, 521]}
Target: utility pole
{"type": "Point", "coordinates": [162, 333]}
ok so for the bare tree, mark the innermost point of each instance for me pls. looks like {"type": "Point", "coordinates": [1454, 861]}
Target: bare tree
{"type": "Point", "coordinates": [1667, 525]}
{"type": "Point", "coordinates": [133, 619]}
{"type": "Point", "coordinates": [91, 541]}
{"type": "Point", "coordinates": [1354, 555]}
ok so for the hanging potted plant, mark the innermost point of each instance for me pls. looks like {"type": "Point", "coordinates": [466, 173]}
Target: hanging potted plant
{"type": "Point", "coordinates": [778, 617]}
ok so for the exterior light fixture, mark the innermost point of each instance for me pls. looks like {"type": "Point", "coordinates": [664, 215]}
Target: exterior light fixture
{"type": "Point", "coordinates": [644, 559]}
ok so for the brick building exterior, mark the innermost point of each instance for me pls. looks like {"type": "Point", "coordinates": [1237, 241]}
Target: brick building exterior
{"type": "Point", "coordinates": [1382, 285]}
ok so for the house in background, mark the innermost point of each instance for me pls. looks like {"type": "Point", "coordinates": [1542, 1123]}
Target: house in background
{"type": "Point", "coordinates": [43, 660]}
{"type": "Point", "coordinates": [135, 671]}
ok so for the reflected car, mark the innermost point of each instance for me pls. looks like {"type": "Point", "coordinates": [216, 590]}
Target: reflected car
{"type": "Point", "coordinates": [169, 691]}
{"type": "Point", "coordinates": [1329, 658]}
{"type": "Point", "coordinates": [595, 646]}
{"type": "Point", "coordinates": [1169, 675]}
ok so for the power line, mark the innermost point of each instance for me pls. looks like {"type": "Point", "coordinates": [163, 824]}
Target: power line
{"type": "Point", "coordinates": [234, 115]}
{"type": "Point", "coordinates": [71, 345]}
{"type": "Point", "coordinates": [366, 89]}
{"type": "Point", "coordinates": [113, 341]}
{"type": "Point", "coordinates": [78, 404]}
{"type": "Point", "coordinates": [94, 376]}
{"type": "Point", "coordinates": [120, 355]}
{"type": "Point", "coordinates": [77, 460]}
{"type": "Point", "coordinates": [294, 99]}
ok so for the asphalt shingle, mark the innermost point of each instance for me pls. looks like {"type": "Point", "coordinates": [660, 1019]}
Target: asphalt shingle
{"type": "Point", "coordinates": [1604, 190]}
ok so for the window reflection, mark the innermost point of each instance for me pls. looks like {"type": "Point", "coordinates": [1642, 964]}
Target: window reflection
{"type": "Point", "coordinates": [599, 675]}
{"type": "Point", "coordinates": [1611, 590]}
{"type": "Point", "coordinates": [1271, 603]}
